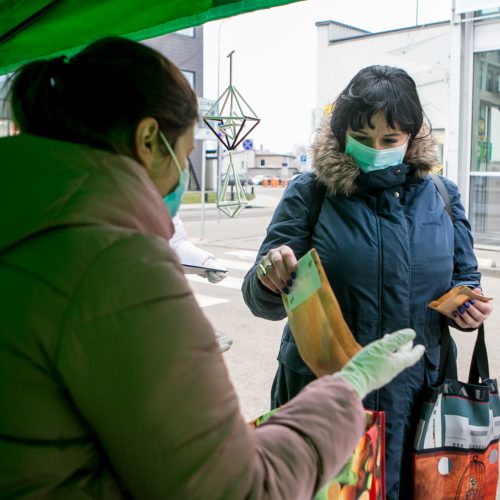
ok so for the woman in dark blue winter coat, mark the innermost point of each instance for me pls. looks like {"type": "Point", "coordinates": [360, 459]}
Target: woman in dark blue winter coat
{"type": "Point", "coordinates": [385, 239]}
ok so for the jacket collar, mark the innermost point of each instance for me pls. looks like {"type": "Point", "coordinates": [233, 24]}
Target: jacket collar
{"type": "Point", "coordinates": [342, 176]}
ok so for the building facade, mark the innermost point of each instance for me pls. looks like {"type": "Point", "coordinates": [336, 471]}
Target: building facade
{"type": "Point", "coordinates": [255, 162]}
{"type": "Point", "coordinates": [473, 159]}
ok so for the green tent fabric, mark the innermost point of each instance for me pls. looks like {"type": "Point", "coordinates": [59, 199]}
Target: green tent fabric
{"type": "Point", "coordinates": [32, 29]}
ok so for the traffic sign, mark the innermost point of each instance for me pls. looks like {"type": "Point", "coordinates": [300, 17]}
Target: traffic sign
{"type": "Point", "coordinates": [247, 144]}
{"type": "Point", "coordinates": [202, 132]}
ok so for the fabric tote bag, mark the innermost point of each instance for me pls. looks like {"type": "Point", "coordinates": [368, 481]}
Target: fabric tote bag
{"type": "Point", "coordinates": [456, 445]}
{"type": "Point", "coordinates": [363, 476]}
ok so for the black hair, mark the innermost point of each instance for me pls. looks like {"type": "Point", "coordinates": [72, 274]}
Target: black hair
{"type": "Point", "coordinates": [373, 89]}
{"type": "Point", "coordinates": [99, 96]}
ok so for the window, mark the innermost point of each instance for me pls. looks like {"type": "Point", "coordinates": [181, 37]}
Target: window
{"type": "Point", "coordinates": [189, 77]}
{"type": "Point", "coordinates": [484, 199]}
{"type": "Point", "coordinates": [186, 32]}
{"type": "Point", "coordinates": [486, 113]}
{"type": "Point", "coordinates": [263, 162]}
{"type": "Point", "coordinates": [485, 209]}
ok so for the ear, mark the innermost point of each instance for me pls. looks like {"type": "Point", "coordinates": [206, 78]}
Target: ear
{"type": "Point", "coordinates": [146, 141]}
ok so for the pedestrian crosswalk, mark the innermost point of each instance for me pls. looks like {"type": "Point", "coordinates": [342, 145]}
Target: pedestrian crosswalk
{"type": "Point", "coordinates": [229, 282]}
{"type": "Point", "coordinates": [237, 264]}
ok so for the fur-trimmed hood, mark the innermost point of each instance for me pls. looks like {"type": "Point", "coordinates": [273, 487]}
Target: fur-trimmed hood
{"type": "Point", "coordinates": [339, 171]}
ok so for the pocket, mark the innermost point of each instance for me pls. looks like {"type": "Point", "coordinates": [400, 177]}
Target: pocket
{"type": "Point", "coordinates": [431, 357]}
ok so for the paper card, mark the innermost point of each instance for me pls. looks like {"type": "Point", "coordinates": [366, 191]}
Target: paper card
{"type": "Point", "coordinates": [200, 270]}
{"type": "Point", "coordinates": [451, 300]}
{"type": "Point", "coordinates": [306, 283]}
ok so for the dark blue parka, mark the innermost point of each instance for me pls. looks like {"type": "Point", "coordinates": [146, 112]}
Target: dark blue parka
{"type": "Point", "coordinates": [388, 247]}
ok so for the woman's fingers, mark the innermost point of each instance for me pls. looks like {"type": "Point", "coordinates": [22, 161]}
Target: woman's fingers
{"type": "Point", "coordinates": [275, 269]}
{"type": "Point", "coordinates": [290, 261]}
{"type": "Point", "coordinates": [468, 316]}
{"type": "Point", "coordinates": [463, 322]}
{"type": "Point", "coordinates": [472, 312]}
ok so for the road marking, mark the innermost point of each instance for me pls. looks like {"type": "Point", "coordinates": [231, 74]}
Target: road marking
{"type": "Point", "coordinates": [229, 282]}
{"type": "Point", "coordinates": [235, 264]}
{"type": "Point", "coordinates": [207, 300]}
{"type": "Point", "coordinates": [249, 255]}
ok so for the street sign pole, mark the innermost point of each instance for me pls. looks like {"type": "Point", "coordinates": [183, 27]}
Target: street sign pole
{"type": "Point", "coordinates": [203, 181]}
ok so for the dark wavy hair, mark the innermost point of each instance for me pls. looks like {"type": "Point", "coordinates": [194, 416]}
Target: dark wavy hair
{"type": "Point", "coordinates": [373, 89]}
{"type": "Point", "coordinates": [99, 96]}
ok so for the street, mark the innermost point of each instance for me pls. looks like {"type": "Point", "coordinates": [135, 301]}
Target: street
{"type": "Point", "coordinates": [251, 361]}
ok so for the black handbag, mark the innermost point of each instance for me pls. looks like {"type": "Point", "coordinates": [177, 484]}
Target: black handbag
{"type": "Point", "coordinates": [456, 445]}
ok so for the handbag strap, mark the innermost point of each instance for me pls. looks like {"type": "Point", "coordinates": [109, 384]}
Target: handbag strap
{"type": "Point", "coordinates": [447, 358]}
{"type": "Point", "coordinates": [441, 188]}
{"type": "Point", "coordinates": [318, 193]}
{"type": "Point", "coordinates": [479, 367]}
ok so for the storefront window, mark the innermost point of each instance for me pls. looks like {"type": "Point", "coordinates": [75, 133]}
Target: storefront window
{"type": "Point", "coordinates": [485, 161]}
{"type": "Point", "coordinates": [486, 122]}
{"type": "Point", "coordinates": [485, 209]}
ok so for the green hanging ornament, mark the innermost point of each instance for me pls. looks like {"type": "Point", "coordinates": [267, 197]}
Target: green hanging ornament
{"type": "Point", "coordinates": [231, 119]}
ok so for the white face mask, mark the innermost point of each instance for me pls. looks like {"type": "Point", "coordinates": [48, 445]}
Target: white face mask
{"type": "Point", "coordinates": [173, 200]}
{"type": "Point", "coordinates": [370, 159]}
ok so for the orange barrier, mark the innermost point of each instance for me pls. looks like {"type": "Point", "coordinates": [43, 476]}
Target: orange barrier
{"type": "Point", "coordinates": [264, 182]}
{"type": "Point", "coordinates": [283, 182]}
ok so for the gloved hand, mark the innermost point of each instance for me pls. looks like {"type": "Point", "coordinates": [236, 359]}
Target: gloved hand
{"type": "Point", "coordinates": [224, 342]}
{"type": "Point", "coordinates": [382, 360]}
{"type": "Point", "coordinates": [214, 276]}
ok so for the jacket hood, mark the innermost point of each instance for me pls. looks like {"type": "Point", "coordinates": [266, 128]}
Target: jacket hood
{"type": "Point", "coordinates": [46, 184]}
{"type": "Point", "coordinates": [340, 173]}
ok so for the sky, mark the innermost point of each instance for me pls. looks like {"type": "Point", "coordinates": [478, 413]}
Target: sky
{"type": "Point", "coordinates": [274, 63]}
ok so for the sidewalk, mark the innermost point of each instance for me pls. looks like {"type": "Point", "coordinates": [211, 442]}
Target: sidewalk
{"type": "Point", "coordinates": [260, 201]}
{"type": "Point", "coordinates": [488, 258]}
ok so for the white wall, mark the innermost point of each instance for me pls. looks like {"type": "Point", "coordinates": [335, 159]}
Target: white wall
{"type": "Point", "coordinates": [241, 161]}
{"type": "Point", "coordinates": [423, 52]}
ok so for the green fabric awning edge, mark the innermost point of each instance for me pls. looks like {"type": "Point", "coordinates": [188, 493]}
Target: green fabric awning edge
{"type": "Point", "coordinates": [213, 13]}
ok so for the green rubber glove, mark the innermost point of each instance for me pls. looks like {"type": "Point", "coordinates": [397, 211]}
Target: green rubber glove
{"type": "Point", "coordinates": [379, 362]}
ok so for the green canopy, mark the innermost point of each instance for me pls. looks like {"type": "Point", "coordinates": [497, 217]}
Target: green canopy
{"type": "Point", "coordinates": [31, 29]}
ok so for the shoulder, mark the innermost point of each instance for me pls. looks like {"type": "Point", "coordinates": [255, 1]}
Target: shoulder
{"type": "Point", "coordinates": [305, 183]}
{"type": "Point", "coordinates": [449, 185]}
{"type": "Point", "coordinates": [126, 270]}
{"type": "Point", "coordinates": [300, 193]}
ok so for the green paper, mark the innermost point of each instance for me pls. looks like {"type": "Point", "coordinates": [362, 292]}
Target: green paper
{"type": "Point", "coordinates": [306, 283]}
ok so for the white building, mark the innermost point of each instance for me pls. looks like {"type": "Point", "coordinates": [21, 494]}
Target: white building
{"type": "Point", "coordinates": [456, 66]}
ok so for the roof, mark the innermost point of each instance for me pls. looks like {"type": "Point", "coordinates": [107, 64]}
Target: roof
{"type": "Point", "coordinates": [341, 25]}
{"type": "Point", "coordinates": [368, 34]}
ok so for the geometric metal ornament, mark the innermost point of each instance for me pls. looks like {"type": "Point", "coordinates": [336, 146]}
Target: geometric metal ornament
{"type": "Point", "coordinates": [230, 206]}
{"type": "Point", "coordinates": [231, 118]}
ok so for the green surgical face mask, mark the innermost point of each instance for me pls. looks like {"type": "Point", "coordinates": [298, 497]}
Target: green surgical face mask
{"type": "Point", "coordinates": [173, 200]}
{"type": "Point", "coordinates": [370, 159]}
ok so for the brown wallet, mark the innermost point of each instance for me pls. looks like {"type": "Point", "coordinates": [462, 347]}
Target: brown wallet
{"type": "Point", "coordinates": [453, 299]}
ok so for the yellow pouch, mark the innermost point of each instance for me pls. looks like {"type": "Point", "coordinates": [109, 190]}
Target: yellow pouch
{"type": "Point", "coordinates": [453, 299]}
{"type": "Point", "coordinates": [323, 338]}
